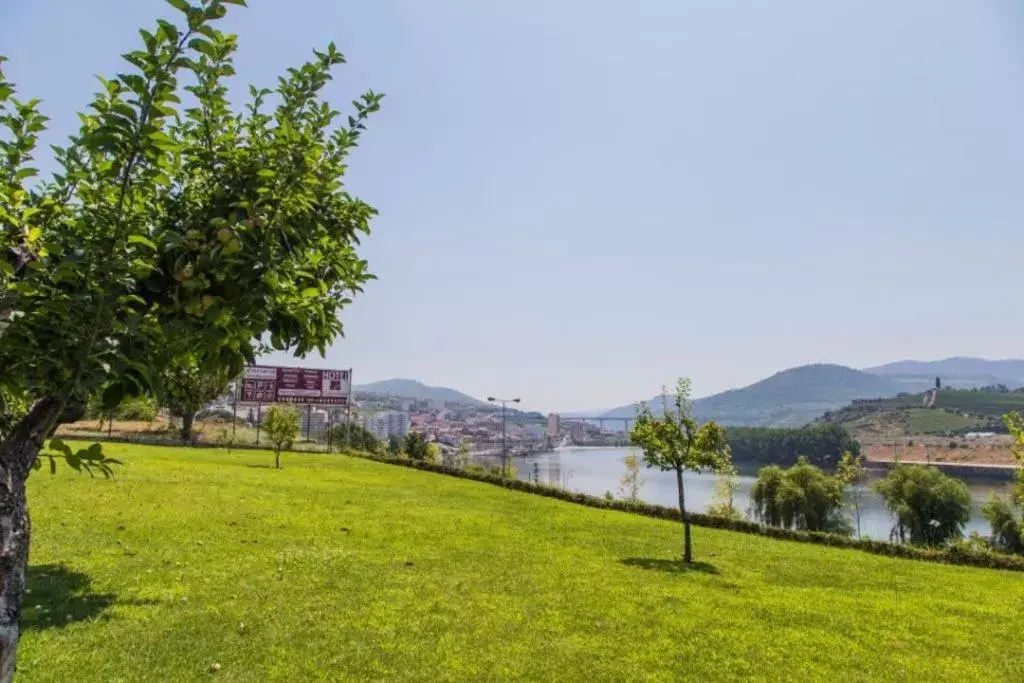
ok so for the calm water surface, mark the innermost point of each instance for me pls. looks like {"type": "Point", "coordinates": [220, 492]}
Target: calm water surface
{"type": "Point", "coordinates": [595, 470]}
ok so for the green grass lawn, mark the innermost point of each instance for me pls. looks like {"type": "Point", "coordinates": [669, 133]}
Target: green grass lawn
{"type": "Point", "coordinates": [343, 569]}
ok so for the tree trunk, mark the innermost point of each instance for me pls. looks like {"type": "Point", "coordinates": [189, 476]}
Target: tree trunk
{"type": "Point", "coordinates": [277, 459]}
{"type": "Point", "coordinates": [687, 546]}
{"type": "Point", "coordinates": [17, 454]}
{"type": "Point", "coordinates": [187, 418]}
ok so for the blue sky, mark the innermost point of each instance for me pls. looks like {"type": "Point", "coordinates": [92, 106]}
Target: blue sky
{"type": "Point", "coordinates": [582, 200]}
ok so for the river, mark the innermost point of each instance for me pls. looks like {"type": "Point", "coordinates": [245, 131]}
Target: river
{"type": "Point", "coordinates": [596, 470]}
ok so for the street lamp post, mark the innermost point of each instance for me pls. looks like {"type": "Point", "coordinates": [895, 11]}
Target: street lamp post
{"type": "Point", "coordinates": [504, 442]}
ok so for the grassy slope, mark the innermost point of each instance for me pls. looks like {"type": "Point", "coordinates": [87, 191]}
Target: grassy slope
{"type": "Point", "coordinates": [342, 568]}
{"type": "Point", "coordinates": [903, 415]}
{"type": "Point", "coordinates": [924, 421]}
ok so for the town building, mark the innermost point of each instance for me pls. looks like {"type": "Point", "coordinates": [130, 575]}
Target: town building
{"type": "Point", "coordinates": [388, 424]}
{"type": "Point", "coordinates": [553, 424]}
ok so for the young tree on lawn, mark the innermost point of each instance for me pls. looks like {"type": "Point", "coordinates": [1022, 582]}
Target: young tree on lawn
{"type": "Point", "coordinates": [220, 226]}
{"type": "Point", "coordinates": [676, 442]}
{"type": "Point", "coordinates": [281, 425]}
{"type": "Point", "coordinates": [724, 504]}
{"type": "Point", "coordinates": [631, 480]}
{"type": "Point", "coordinates": [187, 388]}
{"type": "Point", "coordinates": [850, 472]}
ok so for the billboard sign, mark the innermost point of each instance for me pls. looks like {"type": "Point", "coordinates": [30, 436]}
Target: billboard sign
{"type": "Point", "coordinates": [306, 386]}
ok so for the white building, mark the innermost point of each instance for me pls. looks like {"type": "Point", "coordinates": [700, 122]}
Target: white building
{"type": "Point", "coordinates": [387, 424]}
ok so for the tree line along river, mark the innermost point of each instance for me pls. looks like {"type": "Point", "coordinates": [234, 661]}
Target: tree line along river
{"type": "Point", "coordinates": [597, 470]}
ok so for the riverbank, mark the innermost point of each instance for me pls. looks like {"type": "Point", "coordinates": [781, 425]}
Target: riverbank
{"type": "Point", "coordinates": [961, 470]}
{"type": "Point", "coordinates": [997, 450]}
{"type": "Point", "coordinates": [597, 471]}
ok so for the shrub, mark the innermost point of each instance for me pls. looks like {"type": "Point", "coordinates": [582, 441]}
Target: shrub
{"type": "Point", "coordinates": [351, 435]}
{"type": "Point", "coordinates": [140, 408]}
{"type": "Point", "coordinates": [216, 415]}
{"type": "Point", "coordinates": [415, 446]}
{"type": "Point", "coordinates": [931, 508]}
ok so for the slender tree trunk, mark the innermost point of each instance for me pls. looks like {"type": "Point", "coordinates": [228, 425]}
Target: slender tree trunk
{"type": "Point", "coordinates": [17, 454]}
{"type": "Point", "coordinates": [187, 418]}
{"type": "Point", "coordinates": [687, 546]}
{"type": "Point", "coordinates": [277, 459]}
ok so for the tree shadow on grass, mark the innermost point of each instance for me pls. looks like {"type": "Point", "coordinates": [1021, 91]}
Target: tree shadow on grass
{"type": "Point", "coordinates": [57, 596]}
{"type": "Point", "coordinates": [670, 566]}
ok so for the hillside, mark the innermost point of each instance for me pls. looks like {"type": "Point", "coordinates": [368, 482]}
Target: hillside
{"type": "Point", "coordinates": [340, 569]}
{"type": "Point", "coordinates": [957, 372]}
{"type": "Point", "coordinates": [410, 388]}
{"type": "Point", "coordinates": [956, 412]}
{"type": "Point", "coordinates": [790, 398]}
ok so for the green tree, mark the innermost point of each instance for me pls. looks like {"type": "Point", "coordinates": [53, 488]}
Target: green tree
{"type": "Point", "coordinates": [394, 445]}
{"type": "Point", "coordinates": [165, 222]}
{"type": "Point", "coordinates": [1007, 525]}
{"type": "Point", "coordinates": [675, 442]}
{"type": "Point", "coordinates": [354, 436]}
{"type": "Point", "coordinates": [851, 472]}
{"type": "Point", "coordinates": [802, 497]}
{"type": "Point", "coordinates": [1015, 425]}
{"type": "Point", "coordinates": [931, 508]}
{"type": "Point", "coordinates": [188, 388]}
{"type": "Point", "coordinates": [415, 446]}
{"type": "Point", "coordinates": [281, 425]}
{"type": "Point", "coordinates": [631, 480]}
{"type": "Point", "coordinates": [1004, 515]}
{"type": "Point", "coordinates": [820, 443]}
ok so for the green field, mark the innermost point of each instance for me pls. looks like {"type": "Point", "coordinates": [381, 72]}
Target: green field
{"type": "Point", "coordinates": [956, 411]}
{"type": "Point", "coordinates": [932, 421]}
{"type": "Point", "coordinates": [344, 569]}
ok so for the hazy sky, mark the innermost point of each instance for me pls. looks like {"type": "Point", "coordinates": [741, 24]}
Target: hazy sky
{"type": "Point", "coordinates": [581, 200]}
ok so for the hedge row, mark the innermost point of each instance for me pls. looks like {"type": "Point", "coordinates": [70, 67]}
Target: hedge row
{"type": "Point", "coordinates": [956, 554]}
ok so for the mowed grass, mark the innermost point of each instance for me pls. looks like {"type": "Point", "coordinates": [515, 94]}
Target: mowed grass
{"type": "Point", "coordinates": [344, 569]}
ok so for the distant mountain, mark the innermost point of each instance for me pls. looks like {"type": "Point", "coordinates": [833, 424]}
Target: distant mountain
{"type": "Point", "coordinates": [410, 388]}
{"type": "Point", "coordinates": [958, 371]}
{"type": "Point", "coordinates": [790, 398]}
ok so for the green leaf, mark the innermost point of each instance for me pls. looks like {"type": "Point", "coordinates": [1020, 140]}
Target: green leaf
{"type": "Point", "coordinates": [144, 241]}
{"type": "Point", "coordinates": [179, 5]}
{"type": "Point", "coordinates": [169, 29]}
{"type": "Point", "coordinates": [310, 292]}
{"type": "Point", "coordinates": [203, 47]}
